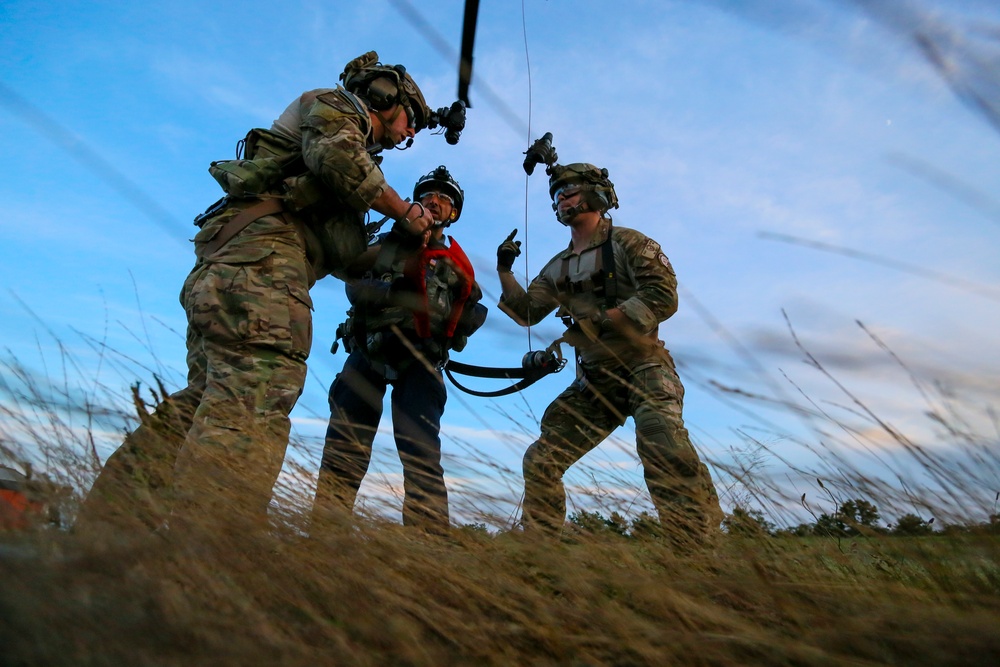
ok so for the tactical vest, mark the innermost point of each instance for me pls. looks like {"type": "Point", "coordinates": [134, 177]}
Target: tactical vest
{"type": "Point", "coordinates": [601, 283]}
{"type": "Point", "coordinates": [594, 285]}
{"type": "Point", "coordinates": [429, 291]}
{"type": "Point", "coordinates": [269, 163]}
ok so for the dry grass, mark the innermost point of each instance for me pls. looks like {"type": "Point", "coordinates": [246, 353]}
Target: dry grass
{"type": "Point", "coordinates": [375, 593]}
{"type": "Point", "coordinates": [366, 591]}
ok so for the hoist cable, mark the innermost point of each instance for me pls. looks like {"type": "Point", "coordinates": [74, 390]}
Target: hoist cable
{"type": "Point", "coordinates": [527, 60]}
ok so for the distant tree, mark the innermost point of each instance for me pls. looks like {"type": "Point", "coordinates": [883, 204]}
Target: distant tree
{"type": "Point", "coordinates": [645, 526]}
{"type": "Point", "coordinates": [911, 524]}
{"type": "Point", "coordinates": [830, 525]}
{"type": "Point", "coordinates": [801, 530]}
{"type": "Point", "coordinates": [858, 513]}
{"type": "Point", "coordinates": [854, 517]}
{"type": "Point", "coordinates": [476, 528]}
{"type": "Point", "coordinates": [618, 524]}
{"type": "Point", "coordinates": [747, 523]}
{"type": "Point", "coordinates": [595, 522]}
{"type": "Point", "coordinates": [589, 522]}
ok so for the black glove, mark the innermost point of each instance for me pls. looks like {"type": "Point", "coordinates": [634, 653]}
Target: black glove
{"type": "Point", "coordinates": [581, 334]}
{"type": "Point", "coordinates": [473, 317]}
{"type": "Point", "coordinates": [508, 251]}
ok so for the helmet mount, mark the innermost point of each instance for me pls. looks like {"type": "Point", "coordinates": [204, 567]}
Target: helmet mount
{"type": "Point", "coordinates": [383, 86]}
{"type": "Point", "coordinates": [597, 190]}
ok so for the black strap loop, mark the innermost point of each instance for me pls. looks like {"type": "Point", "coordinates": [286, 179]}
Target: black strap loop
{"type": "Point", "coordinates": [524, 383]}
{"type": "Point", "coordinates": [526, 375]}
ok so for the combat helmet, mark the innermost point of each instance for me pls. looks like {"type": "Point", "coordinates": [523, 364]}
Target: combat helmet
{"type": "Point", "coordinates": [382, 86]}
{"type": "Point", "coordinates": [598, 190]}
{"type": "Point", "coordinates": [440, 180]}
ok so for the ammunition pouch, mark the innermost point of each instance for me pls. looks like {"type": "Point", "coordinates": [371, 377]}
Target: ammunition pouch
{"type": "Point", "coordinates": [302, 191]}
{"type": "Point", "coordinates": [458, 342]}
{"type": "Point", "coordinates": [594, 284]}
{"type": "Point", "coordinates": [263, 159]}
{"type": "Point", "coordinates": [261, 143]}
{"type": "Point", "coordinates": [247, 178]}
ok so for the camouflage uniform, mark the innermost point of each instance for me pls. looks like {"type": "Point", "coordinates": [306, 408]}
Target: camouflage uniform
{"type": "Point", "coordinates": [250, 325]}
{"type": "Point", "coordinates": [618, 376]}
{"type": "Point", "coordinates": [387, 347]}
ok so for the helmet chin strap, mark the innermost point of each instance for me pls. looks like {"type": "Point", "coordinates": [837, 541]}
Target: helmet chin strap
{"type": "Point", "coordinates": [386, 139]}
{"type": "Point", "coordinates": [566, 217]}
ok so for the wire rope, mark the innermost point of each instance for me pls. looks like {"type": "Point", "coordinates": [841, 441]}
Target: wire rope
{"type": "Point", "coordinates": [527, 60]}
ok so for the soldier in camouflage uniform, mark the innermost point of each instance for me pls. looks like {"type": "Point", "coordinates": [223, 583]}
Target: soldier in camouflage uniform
{"type": "Point", "coordinates": [612, 286]}
{"type": "Point", "coordinates": [416, 304]}
{"type": "Point", "coordinates": [294, 213]}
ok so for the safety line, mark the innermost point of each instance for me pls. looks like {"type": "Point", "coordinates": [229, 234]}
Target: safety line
{"type": "Point", "coordinates": [527, 59]}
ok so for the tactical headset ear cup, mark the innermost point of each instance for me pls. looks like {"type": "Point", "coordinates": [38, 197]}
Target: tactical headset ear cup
{"type": "Point", "coordinates": [382, 93]}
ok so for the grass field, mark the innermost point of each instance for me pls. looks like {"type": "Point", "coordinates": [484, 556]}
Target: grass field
{"type": "Point", "coordinates": [367, 591]}
{"type": "Point", "coordinates": [375, 593]}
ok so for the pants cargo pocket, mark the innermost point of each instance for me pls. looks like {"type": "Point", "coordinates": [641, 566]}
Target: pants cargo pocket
{"type": "Point", "coordinates": [300, 320]}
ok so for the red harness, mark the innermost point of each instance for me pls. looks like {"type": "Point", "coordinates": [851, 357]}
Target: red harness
{"type": "Point", "coordinates": [416, 271]}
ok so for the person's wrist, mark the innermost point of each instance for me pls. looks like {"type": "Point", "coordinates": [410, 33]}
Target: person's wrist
{"type": "Point", "coordinates": [405, 221]}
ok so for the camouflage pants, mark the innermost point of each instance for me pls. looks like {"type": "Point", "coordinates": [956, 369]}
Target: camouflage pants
{"type": "Point", "coordinates": [215, 448]}
{"type": "Point", "coordinates": [586, 413]}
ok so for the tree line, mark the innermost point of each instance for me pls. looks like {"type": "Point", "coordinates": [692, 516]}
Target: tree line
{"type": "Point", "coordinates": [854, 518]}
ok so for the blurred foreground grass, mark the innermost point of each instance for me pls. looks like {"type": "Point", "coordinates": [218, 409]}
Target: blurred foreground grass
{"type": "Point", "coordinates": [367, 591]}
{"type": "Point", "coordinates": [375, 593]}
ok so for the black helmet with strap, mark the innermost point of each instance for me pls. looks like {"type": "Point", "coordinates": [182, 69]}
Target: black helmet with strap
{"type": "Point", "coordinates": [383, 86]}
{"type": "Point", "coordinates": [440, 180]}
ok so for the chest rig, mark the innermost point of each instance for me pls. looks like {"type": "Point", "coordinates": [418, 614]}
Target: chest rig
{"type": "Point", "coordinates": [436, 282]}
{"type": "Point", "coordinates": [603, 281]}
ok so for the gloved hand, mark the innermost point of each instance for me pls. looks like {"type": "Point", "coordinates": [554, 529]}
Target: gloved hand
{"type": "Point", "coordinates": [580, 334]}
{"type": "Point", "coordinates": [415, 221]}
{"type": "Point", "coordinates": [508, 251]}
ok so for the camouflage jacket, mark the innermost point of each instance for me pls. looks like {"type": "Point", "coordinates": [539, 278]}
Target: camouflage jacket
{"type": "Point", "coordinates": [571, 282]}
{"type": "Point", "coordinates": [329, 189]}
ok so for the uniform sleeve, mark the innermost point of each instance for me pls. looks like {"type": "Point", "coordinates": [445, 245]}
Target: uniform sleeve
{"type": "Point", "coordinates": [334, 137]}
{"type": "Point", "coordinates": [655, 298]}
{"type": "Point", "coordinates": [530, 307]}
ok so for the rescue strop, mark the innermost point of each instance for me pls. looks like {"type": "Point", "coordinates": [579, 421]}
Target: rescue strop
{"type": "Point", "coordinates": [534, 366]}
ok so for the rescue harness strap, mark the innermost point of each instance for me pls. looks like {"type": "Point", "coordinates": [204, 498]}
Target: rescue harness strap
{"type": "Point", "coordinates": [528, 377]}
{"type": "Point", "coordinates": [608, 269]}
{"type": "Point", "coordinates": [534, 366]}
{"type": "Point", "coordinates": [241, 221]}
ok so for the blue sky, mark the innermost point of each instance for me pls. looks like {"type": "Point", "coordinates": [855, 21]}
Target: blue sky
{"type": "Point", "coordinates": [734, 132]}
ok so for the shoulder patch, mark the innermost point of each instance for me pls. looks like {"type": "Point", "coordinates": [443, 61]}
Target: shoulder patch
{"type": "Point", "coordinates": [343, 100]}
{"type": "Point", "coordinates": [651, 249]}
{"type": "Point", "coordinates": [665, 262]}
